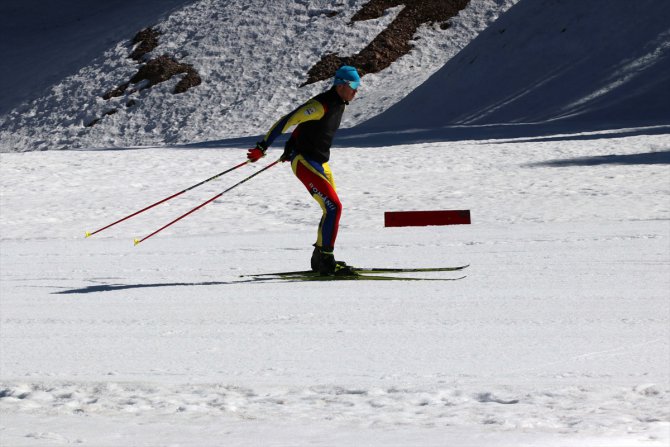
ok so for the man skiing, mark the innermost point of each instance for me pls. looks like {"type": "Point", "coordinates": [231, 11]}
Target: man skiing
{"type": "Point", "coordinates": [308, 150]}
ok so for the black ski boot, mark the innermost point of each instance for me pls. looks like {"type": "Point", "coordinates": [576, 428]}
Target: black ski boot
{"type": "Point", "coordinates": [316, 258]}
{"type": "Point", "coordinates": [328, 266]}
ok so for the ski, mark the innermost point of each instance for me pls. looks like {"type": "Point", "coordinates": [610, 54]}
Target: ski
{"type": "Point", "coordinates": [313, 276]}
{"type": "Point", "coordinates": [410, 270]}
{"type": "Point", "coordinates": [367, 270]}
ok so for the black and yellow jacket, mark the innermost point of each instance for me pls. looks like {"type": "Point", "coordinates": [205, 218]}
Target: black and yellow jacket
{"type": "Point", "coordinates": [317, 121]}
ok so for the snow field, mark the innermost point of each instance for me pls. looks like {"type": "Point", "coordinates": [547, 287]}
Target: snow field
{"type": "Point", "coordinates": [581, 180]}
{"type": "Point", "coordinates": [558, 336]}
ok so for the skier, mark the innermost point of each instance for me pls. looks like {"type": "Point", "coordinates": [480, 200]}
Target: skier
{"type": "Point", "coordinates": [308, 150]}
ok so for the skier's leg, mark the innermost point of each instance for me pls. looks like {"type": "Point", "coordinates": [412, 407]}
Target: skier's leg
{"type": "Point", "coordinates": [318, 180]}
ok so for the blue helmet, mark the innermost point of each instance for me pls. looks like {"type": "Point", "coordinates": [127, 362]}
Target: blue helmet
{"type": "Point", "coordinates": [347, 74]}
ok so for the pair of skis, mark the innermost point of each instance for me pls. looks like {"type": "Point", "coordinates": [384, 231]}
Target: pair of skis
{"type": "Point", "coordinates": [360, 274]}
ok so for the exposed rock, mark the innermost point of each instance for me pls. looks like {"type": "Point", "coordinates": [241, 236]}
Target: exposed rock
{"type": "Point", "coordinates": [191, 79]}
{"type": "Point", "coordinates": [97, 120]}
{"type": "Point", "coordinates": [153, 71]}
{"type": "Point", "coordinates": [145, 41]}
{"type": "Point", "coordinates": [394, 41]}
{"type": "Point", "coordinates": [118, 91]}
{"type": "Point", "coordinates": [159, 70]}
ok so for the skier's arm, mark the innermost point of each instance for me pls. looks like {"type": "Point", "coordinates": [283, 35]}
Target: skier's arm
{"type": "Point", "coordinates": [311, 110]}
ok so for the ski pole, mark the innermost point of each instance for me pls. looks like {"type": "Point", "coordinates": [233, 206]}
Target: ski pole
{"type": "Point", "coordinates": [137, 241]}
{"type": "Point", "coordinates": [89, 234]}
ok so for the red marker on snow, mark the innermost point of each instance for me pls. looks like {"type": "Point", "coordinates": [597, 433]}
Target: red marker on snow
{"type": "Point", "coordinates": [425, 218]}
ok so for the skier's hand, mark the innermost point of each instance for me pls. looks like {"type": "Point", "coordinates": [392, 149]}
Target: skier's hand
{"type": "Point", "coordinates": [256, 153]}
{"type": "Point", "coordinates": [288, 150]}
{"type": "Point", "coordinates": [286, 155]}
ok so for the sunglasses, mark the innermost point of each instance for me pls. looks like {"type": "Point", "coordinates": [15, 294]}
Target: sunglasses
{"type": "Point", "coordinates": [352, 84]}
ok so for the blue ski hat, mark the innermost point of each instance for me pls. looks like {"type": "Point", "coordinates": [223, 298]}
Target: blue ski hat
{"type": "Point", "coordinates": [347, 74]}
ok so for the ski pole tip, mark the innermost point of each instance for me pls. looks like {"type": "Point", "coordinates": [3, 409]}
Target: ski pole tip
{"type": "Point", "coordinates": [88, 234]}
{"type": "Point", "coordinates": [137, 241]}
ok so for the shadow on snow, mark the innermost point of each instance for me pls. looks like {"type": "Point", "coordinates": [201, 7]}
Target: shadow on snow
{"type": "Point", "coordinates": [115, 287]}
{"type": "Point", "coordinates": [648, 158]}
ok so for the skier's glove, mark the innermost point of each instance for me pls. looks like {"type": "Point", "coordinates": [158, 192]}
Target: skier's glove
{"type": "Point", "coordinates": [288, 150]}
{"type": "Point", "coordinates": [257, 152]}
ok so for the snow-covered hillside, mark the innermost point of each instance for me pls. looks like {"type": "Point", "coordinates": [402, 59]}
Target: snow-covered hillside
{"type": "Point", "coordinates": [567, 66]}
{"type": "Point", "coordinates": [252, 57]}
{"type": "Point", "coordinates": [42, 43]}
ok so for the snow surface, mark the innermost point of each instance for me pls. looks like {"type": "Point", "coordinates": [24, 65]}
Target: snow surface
{"type": "Point", "coordinates": [558, 336]}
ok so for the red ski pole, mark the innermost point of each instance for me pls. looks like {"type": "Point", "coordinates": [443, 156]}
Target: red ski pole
{"type": "Point", "coordinates": [89, 234]}
{"type": "Point", "coordinates": [137, 241]}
